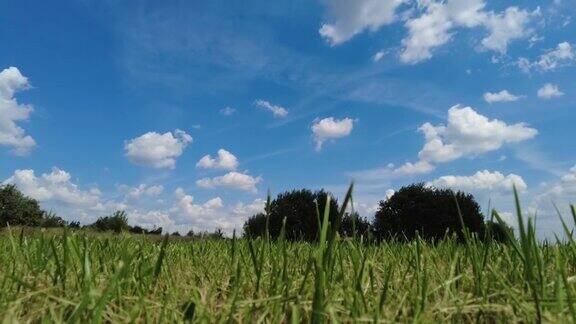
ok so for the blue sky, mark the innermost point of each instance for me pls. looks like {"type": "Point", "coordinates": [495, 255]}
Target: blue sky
{"type": "Point", "coordinates": [116, 104]}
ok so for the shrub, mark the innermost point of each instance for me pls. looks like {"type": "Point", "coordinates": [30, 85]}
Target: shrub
{"type": "Point", "coordinates": [116, 222]}
{"type": "Point", "coordinates": [354, 225]}
{"type": "Point", "coordinates": [50, 220]}
{"type": "Point", "coordinates": [17, 209]}
{"type": "Point", "coordinates": [430, 212]}
{"type": "Point", "coordinates": [299, 209]}
{"type": "Point", "coordinates": [75, 225]}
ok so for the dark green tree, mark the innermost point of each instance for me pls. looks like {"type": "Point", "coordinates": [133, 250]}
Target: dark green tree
{"type": "Point", "coordinates": [432, 213]}
{"type": "Point", "coordinates": [116, 222]}
{"type": "Point", "coordinates": [255, 226]}
{"type": "Point", "coordinates": [497, 232]}
{"type": "Point", "coordinates": [354, 225]}
{"type": "Point", "coordinates": [299, 209]}
{"type": "Point", "coordinates": [17, 209]}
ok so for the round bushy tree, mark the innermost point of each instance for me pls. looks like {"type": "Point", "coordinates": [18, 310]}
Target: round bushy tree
{"type": "Point", "coordinates": [498, 232]}
{"type": "Point", "coordinates": [255, 226]}
{"type": "Point", "coordinates": [299, 209]}
{"type": "Point", "coordinates": [17, 209]}
{"type": "Point", "coordinates": [430, 212]}
{"type": "Point", "coordinates": [354, 225]}
{"type": "Point", "coordinates": [116, 222]}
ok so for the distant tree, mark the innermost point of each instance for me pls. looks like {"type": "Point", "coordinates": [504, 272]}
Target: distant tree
{"type": "Point", "coordinates": [430, 212]}
{"type": "Point", "coordinates": [190, 233]}
{"type": "Point", "coordinates": [299, 209]}
{"type": "Point", "coordinates": [217, 234]}
{"type": "Point", "coordinates": [137, 230]}
{"type": "Point", "coordinates": [354, 225]}
{"type": "Point", "coordinates": [155, 231]}
{"type": "Point", "coordinates": [497, 232]}
{"type": "Point", "coordinates": [17, 209]}
{"type": "Point", "coordinates": [116, 222]}
{"type": "Point", "coordinates": [74, 224]}
{"type": "Point", "coordinates": [51, 220]}
{"type": "Point", "coordinates": [255, 226]}
{"type": "Point", "coordinates": [176, 234]}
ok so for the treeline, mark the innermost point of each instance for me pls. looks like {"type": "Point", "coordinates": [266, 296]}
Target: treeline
{"type": "Point", "coordinates": [16, 209]}
{"type": "Point", "coordinates": [413, 211]}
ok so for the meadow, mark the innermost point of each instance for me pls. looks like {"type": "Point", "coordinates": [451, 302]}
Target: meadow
{"type": "Point", "coordinates": [74, 276]}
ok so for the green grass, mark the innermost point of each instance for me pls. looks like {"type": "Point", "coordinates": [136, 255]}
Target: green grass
{"type": "Point", "coordinates": [78, 276]}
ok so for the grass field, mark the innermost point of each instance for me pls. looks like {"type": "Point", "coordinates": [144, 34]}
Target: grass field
{"type": "Point", "coordinates": [85, 276]}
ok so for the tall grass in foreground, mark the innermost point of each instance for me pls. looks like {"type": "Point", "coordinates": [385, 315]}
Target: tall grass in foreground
{"type": "Point", "coordinates": [79, 276]}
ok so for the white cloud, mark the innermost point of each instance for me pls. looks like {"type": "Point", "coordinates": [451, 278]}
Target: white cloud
{"type": "Point", "coordinates": [157, 150]}
{"type": "Point", "coordinates": [150, 219]}
{"type": "Point", "coordinates": [330, 128]}
{"type": "Point", "coordinates": [225, 160]}
{"type": "Point", "coordinates": [227, 111]}
{"type": "Point", "coordinates": [233, 180]}
{"type": "Point", "coordinates": [277, 111]}
{"type": "Point", "coordinates": [55, 186]}
{"type": "Point", "coordinates": [349, 18]}
{"type": "Point", "coordinates": [481, 180]}
{"type": "Point", "coordinates": [435, 27]}
{"type": "Point", "coordinates": [467, 134]}
{"type": "Point", "coordinates": [505, 27]}
{"type": "Point", "coordinates": [185, 211]}
{"type": "Point", "coordinates": [144, 191]}
{"type": "Point", "coordinates": [11, 112]}
{"type": "Point", "coordinates": [563, 54]}
{"type": "Point", "coordinates": [247, 210]}
{"type": "Point", "coordinates": [378, 56]}
{"type": "Point", "coordinates": [410, 168]}
{"type": "Point", "coordinates": [502, 96]}
{"type": "Point", "coordinates": [549, 91]}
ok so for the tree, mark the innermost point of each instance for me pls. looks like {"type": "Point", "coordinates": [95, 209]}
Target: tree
{"type": "Point", "coordinates": [354, 225]}
{"type": "Point", "coordinates": [255, 226]}
{"type": "Point", "coordinates": [116, 222]}
{"type": "Point", "coordinates": [17, 209]}
{"type": "Point", "coordinates": [430, 212]}
{"type": "Point", "coordinates": [497, 232]}
{"type": "Point", "coordinates": [299, 209]}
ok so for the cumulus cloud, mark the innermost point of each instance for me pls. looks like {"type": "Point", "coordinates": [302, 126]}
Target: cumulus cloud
{"type": "Point", "coordinates": [562, 55]}
{"type": "Point", "coordinates": [144, 190]}
{"type": "Point", "coordinates": [54, 186]}
{"type": "Point", "coordinates": [506, 27]}
{"type": "Point", "coordinates": [467, 134]}
{"type": "Point", "coordinates": [348, 18]}
{"type": "Point", "coordinates": [227, 111]}
{"type": "Point", "coordinates": [435, 27]}
{"type": "Point", "coordinates": [157, 150]}
{"type": "Point", "coordinates": [225, 160]}
{"type": "Point", "coordinates": [277, 111]}
{"type": "Point", "coordinates": [481, 180]}
{"type": "Point", "coordinates": [234, 180]}
{"type": "Point", "coordinates": [12, 112]}
{"type": "Point", "coordinates": [549, 91]}
{"type": "Point", "coordinates": [502, 96]}
{"type": "Point", "coordinates": [185, 211]}
{"type": "Point", "coordinates": [249, 209]}
{"type": "Point", "coordinates": [330, 128]}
